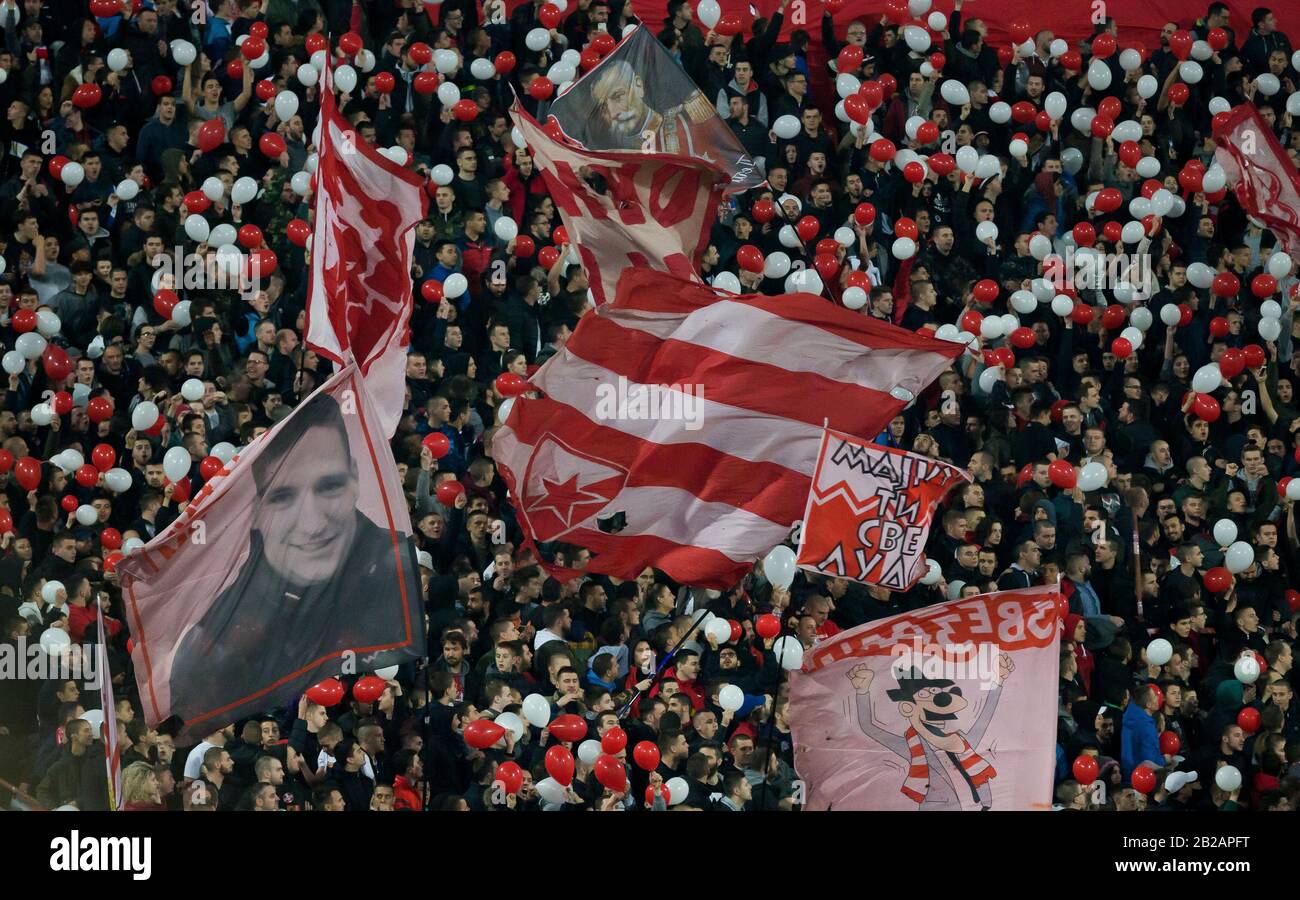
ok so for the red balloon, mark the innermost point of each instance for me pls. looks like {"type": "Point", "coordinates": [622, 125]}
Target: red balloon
{"type": "Point", "coordinates": [210, 468]}
{"type": "Point", "coordinates": [1103, 45]}
{"type": "Point", "coordinates": [971, 321]}
{"type": "Point", "coordinates": [250, 236]}
{"type": "Point", "coordinates": [1071, 61]}
{"type": "Point", "coordinates": [603, 42]}
{"type": "Point", "coordinates": [316, 42]}
{"type": "Point", "coordinates": [425, 82]}
{"type": "Point", "coordinates": [549, 15]}
{"type": "Point", "coordinates": [448, 491]}
{"type": "Point", "coordinates": [261, 263]}
{"type": "Point", "coordinates": [483, 733]}
{"type": "Point", "coordinates": [646, 755]}
{"type": "Point", "coordinates": [986, 290]}
{"type": "Point", "coordinates": [61, 403]}
{"type": "Point", "coordinates": [907, 228]}
{"type": "Point", "coordinates": [568, 728]}
{"type": "Point", "coordinates": [826, 266]}
{"type": "Point", "coordinates": [1130, 153]}
{"type": "Point", "coordinates": [1293, 600]}
{"type": "Point", "coordinates": [1206, 407]}
{"type": "Point", "coordinates": [265, 89]}
{"type": "Point", "coordinates": [420, 53]}
{"type": "Point", "coordinates": [508, 384]}
{"type": "Point", "coordinates": [927, 133]}
{"type": "Point", "coordinates": [1179, 94]}
{"type": "Point", "coordinates": [439, 445]}
{"type": "Point", "coordinates": [1062, 474]}
{"type": "Point", "coordinates": [327, 692]}
{"type": "Point", "coordinates": [1023, 338]}
{"type": "Point", "coordinates": [763, 211]}
{"type": "Point", "coordinates": [736, 630]}
{"type": "Point", "coordinates": [351, 43]}
{"type": "Point", "coordinates": [252, 48]}
{"type": "Point", "coordinates": [883, 150]}
{"type": "Point", "coordinates": [1253, 355]}
{"type": "Point", "coordinates": [1170, 743]}
{"type": "Point", "coordinates": [105, 9]}
{"type": "Point", "coordinates": [212, 134]}
{"type": "Point", "coordinates": [1085, 769]}
{"type": "Point", "coordinates": [1232, 363]}
{"type": "Point", "coordinates": [164, 302]}
{"type": "Point", "coordinates": [525, 246]}
{"type": "Point", "coordinates": [99, 409]}
{"type": "Point", "coordinates": [104, 458]}
{"type": "Point", "coordinates": [1226, 284]}
{"type": "Point", "coordinates": [849, 59]}
{"type": "Point", "coordinates": [465, 110]}
{"type": "Point", "coordinates": [1113, 231]}
{"type": "Point", "coordinates": [1122, 347]}
{"type": "Point", "coordinates": [69, 503]}
{"type": "Point", "coordinates": [1102, 126]}
{"type": "Point", "coordinates": [1113, 317]}
{"type": "Point", "coordinates": [385, 82]}
{"type": "Point", "coordinates": [1217, 580]}
{"type": "Point", "coordinates": [6, 461]}
{"type": "Point", "coordinates": [1144, 780]}
{"type": "Point", "coordinates": [1248, 719]}
{"type": "Point", "coordinates": [235, 69]}
{"type": "Point", "coordinates": [1262, 285]}
{"type": "Point", "coordinates": [548, 256]}
{"type": "Point", "coordinates": [368, 688]}
{"type": "Point", "coordinates": [1180, 44]}
{"type": "Point", "coordinates": [541, 88]}
{"type": "Point", "coordinates": [431, 291]}
{"type": "Point", "coordinates": [609, 771]}
{"type": "Point", "coordinates": [297, 231]}
{"type": "Point", "coordinates": [1184, 315]}
{"type": "Point", "coordinates": [589, 58]}
{"type": "Point", "coordinates": [110, 539]}
{"type": "Point", "coordinates": [807, 228]}
{"type": "Point", "coordinates": [56, 363]}
{"type": "Point", "coordinates": [650, 794]}
{"type": "Point", "coordinates": [196, 202]}
{"type": "Point", "coordinates": [258, 30]}
{"type": "Point", "coordinates": [510, 776]}
{"type": "Point", "coordinates": [1082, 314]}
{"type": "Point", "coordinates": [942, 164]}
{"type": "Point", "coordinates": [750, 258]}
{"type": "Point", "coordinates": [87, 476]}
{"type": "Point", "coordinates": [888, 83]}
{"type": "Point", "coordinates": [729, 24]}
{"type": "Point", "coordinates": [505, 62]}
{"type": "Point", "coordinates": [914, 172]}
{"type": "Point", "coordinates": [87, 95]}
{"type": "Point", "coordinates": [1108, 200]}
{"type": "Point", "coordinates": [614, 740]}
{"type": "Point", "coordinates": [559, 764]}
{"type": "Point", "coordinates": [1219, 327]}
{"type": "Point", "coordinates": [161, 85]}
{"type": "Point", "coordinates": [768, 626]}
{"type": "Point", "coordinates": [1023, 112]}
{"type": "Point", "coordinates": [271, 145]}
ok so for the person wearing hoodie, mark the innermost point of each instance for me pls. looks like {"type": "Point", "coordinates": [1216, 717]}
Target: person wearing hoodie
{"type": "Point", "coordinates": [1139, 741]}
{"type": "Point", "coordinates": [1076, 631]}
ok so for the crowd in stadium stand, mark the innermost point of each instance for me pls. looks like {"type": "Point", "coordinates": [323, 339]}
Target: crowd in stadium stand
{"type": "Point", "coordinates": [1139, 559]}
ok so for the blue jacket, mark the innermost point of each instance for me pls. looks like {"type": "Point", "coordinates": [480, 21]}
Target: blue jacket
{"type": "Point", "coordinates": [1139, 740]}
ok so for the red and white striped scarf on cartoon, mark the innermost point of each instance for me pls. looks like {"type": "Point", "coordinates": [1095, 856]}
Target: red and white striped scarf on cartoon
{"type": "Point", "coordinates": [917, 783]}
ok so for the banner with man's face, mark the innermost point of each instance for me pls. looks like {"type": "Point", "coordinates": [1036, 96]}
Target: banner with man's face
{"type": "Point", "coordinates": [296, 563]}
{"type": "Point", "coordinates": [639, 98]}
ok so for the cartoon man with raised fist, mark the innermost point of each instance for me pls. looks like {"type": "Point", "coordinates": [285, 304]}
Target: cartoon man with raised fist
{"type": "Point", "coordinates": [943, 769]}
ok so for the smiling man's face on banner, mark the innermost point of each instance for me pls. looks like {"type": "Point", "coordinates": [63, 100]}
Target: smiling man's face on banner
{"type": "Point", "coordinates": [620, 97]}
{"type": "Point", "coordinates": [307, 511]}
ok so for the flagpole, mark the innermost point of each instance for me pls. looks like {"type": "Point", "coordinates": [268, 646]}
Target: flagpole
{"type": "Point", "coordinates": [654, 679]}
{"type": "Point", "coordinates": [771, 722]}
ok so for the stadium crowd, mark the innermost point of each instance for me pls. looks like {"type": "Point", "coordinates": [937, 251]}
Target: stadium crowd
{"type": "Point", "coordinates": [1140, 556]}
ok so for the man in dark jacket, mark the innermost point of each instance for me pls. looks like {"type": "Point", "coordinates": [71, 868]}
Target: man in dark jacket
{"type": "Point", "coordinates": [79, 777]}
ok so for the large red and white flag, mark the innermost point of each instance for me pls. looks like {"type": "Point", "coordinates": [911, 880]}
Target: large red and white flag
{"type": "Point", "coordinates": [1263, 176]}
{"type": "Point", "coordinates": [681, 424]}
{"type": "Point", "coordinates": [360, 292]}
{"type": "Point", "coordinates": [627, 210]}
{"type": "Point", "coordinates": [950, 707]}
{"type": "Point", "coordinates": [869, 511]}
{"type": "Point", "coordinates": [294, 564]}
{"type": "Point", "coordinates": [112, 746]}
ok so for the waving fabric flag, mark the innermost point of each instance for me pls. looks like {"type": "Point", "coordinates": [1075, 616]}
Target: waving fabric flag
{"type": "Point", "coordinates": [1265, 179]}
{"type": "Point", "coordinates": [640, 98]}
{"type": "Point", "coordinates": [360, 292]}
{"type": "Point", "coordinates": [680, 425]}
{"type": "Point", "coordinates": [626, 210]}
{"type": "Point", "coordinates": [950, 707]}
{"type": "Point", "coordinates": [869, 511]}
{"type": "Point", "coordinates": [294, 565]}
{"type": "Point", "coordinates": [112, 746]}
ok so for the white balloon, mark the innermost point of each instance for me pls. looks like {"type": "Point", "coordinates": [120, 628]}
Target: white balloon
{"type": "Point", "coordinates": [955, 92]}
{"type": "Point", "coordinates": [224, 451]}
{"type": "Point", "coordinates": [483, 69]}
{"type": "Point", "coordinates": [1238, 557]}
{"type": "Point", "coordinates": [1225, 532]}
{"type": "Point", "coordinates": [1024, 302]}
{"type": "Point", "coordinates": [511, 723]}
{"type": "Point", "coordinates": [779, 567]}
{"type": "Point", "coordinates": [537, 710]}
{"type": "Point", "coordinates": [183, 53]}
{"type": "Point", "coordinates": [42, 414]}
{"type": "Point", "coordinates": [708, 12]}
{"type": "Point", "coordinates": [1159, 652]}
{"type": "Point", "coordinates": [678, 790]}
{"type": "Point", "coordinates": [243, 190]}
{"type": "Point", "coordinates": [47, 323]}
{"type": "Point", "coordinates": [989, 166]}
{"type": "Point", "coordinates": [50, 591]}
{"type": "Point", "coordinates": [904, 248]}
{"type": "Point", "coordinates": [53, 640]}
{"type": "Point", "coordinates": [776, 265]}
{"type": "Point", "coordinates": [14, 362]}
{"type": "Point", "coordinates": [726, 281]}
{"type": "Point", "coordinates": [991, 328]}
{"type": "Point", "coordinates": [1133, 336]}
{"type": "Point", "coordinates": [30, 345]}
{"type": "Point", "coordinates": [1132, 232]}
{"type": "Point", "coordinates": [388, 673]}
{"type": "Point", "coordinates": [538, 39]}
{"type": "Point", "coordinates": [308, 76]}
{"type": "Point", "coordinates": [1200, 275]}
{"type": "Point", "coordinates": [1207, 378]}
{"type": "Point", "coordinates": [1149, 167]}
{"type": "Point", "coordinates": [933, 573]}
{"type": "Point", "coordinates": [1218, 105]}
{"type": "Point", "coordinates": [1214, 179]}
{"type": "Point", "coordinates": [1130, 60]}
{"type": "Point", "coordinates": [1270, 309]}
{"type": "Point", "coordinates": [176, 463]}
{"type": "Point", "coordinates": [719, 630]}
{"type": "Point", "coordinates": [1140, 318]}
{"type": "Point", "coordinates": [1139, 207]}
{"type": "Point", "coordinates": [1040, 246]}
{"type": "Point", "coordinates": [441, 174]}
{"type": "Point", "coordinates": [1293, 104]}
{"type": "Point", "coordinates": [396, 153]}
{"type": "Point", "coordinates": [986, 231]}
{"type": "Point", "coordinates": [918, 8]}
{"type": "Point", "coordinates": [1017, 148]}
{"type": "Point", "coordinates": [1190, 71]}
{"type": "Point", "coordinates": [846, 85]}
{"type": "Point", "coordinates": [197, 228]}
{"type": "Point", "coordinates": [222, 235]}
{"type": "Point", "coordinates": [1268, 84]}
{"type": "Point", "coordinates": [1128, 130]}
{"type": "Point", "coordinates": [550, 790]}
{"type": "Point", "coordinates": [1082, 118]}
{"type": "Point", "coordinates": [192, 390]}
{"type": "Point", "coordinates": [454, 285]}
{"type": "Point", "coordinates": [132, 544]}
{"type": "Point", "coordinates": [786, 127]}
{"type": "Point", "coordinates": [1055, 104]}
{"type": "Point", "coordinates": [1170, 314]}
{"type": "Point", "coordinates": [788, 236]}
{"type": "Point", "coordinates": [588, 751]}
{"type": "Point", "coordinates": [854, 298]}
{"type": "Point", "coordinates": [1293, 493]}
{"type": "Point", "coordinates": [1062, 305]}
{"type": "Point", "coordinates": [144, 415]}
{"type": "Point", "coordinates": [789, 652]}
{"type": "Point", "coordinates": [87, 514]}
{"type": "Point", "coordinates": [1099, 75]}
{"type": "Point", "coordinates": [286, 105]}
{"type": "Point", "coordinates": [127, 189]}
{"type": "Point", "coordinates": [1279, 264]}
{"type": "Point", "coordinates": [181, 313]}
{"type": "Point", "coordinates": [96, 719]}
{"type": "Point", "coordinates": [1057, 47]}
{"type": "Point", "coordinates": [1228, 778]}
{"type": "Point", "coordinates": [917, 38]}
{"type": "Point", "coordinates": [1270, 329]}
{"type": "Point", "coordinates": [731, 698]}
{"type": "Point", "coordinates": [301, 183]}
{"type": "Point", "coordinates": [365, 59]}
{"type": "Point", "coordinates": [844, 236]}
{"type": "Point", "coordinates": [345, 79]}
{"type": "Point", "coordinates": [117, 480]}
{"type": "Point", "coordinates": [213, 189]}
{"type": "Point", "coordinates": [73, 174]}
{"type": "Point", "coordinates": [1202, 50]}
{"type": "Point", "coordinates": [989, 378]}
{"type": "Point", "coordinates": [1093, 477]}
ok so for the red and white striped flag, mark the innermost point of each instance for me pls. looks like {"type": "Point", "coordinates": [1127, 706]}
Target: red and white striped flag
{"type": "Point", "coordinates": [681, 424]}
{"type": "Point", "coordinates": [621, 210]}
{"type": "Point", "coordinates": [1261, 173]}
{"type": "Point", "coordinates": [360, 293]}
{"type": "Point", "coordinates": [112, 746]}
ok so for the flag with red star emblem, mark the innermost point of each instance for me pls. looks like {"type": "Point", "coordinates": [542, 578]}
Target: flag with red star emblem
{"type": "Point", "coordinates": [679, 426]}
{"type": "Point", "coordinates": [360, 296]}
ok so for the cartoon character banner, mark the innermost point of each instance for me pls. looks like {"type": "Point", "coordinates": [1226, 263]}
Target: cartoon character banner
{"type": "Point", "coordinates": [293, 564]}
{"type": "Point", "coordinates": [950, 707]}
{"type": "Point", "coordinates": [869, 511]}
{"type": "Point", "coordinates": [640, 98]}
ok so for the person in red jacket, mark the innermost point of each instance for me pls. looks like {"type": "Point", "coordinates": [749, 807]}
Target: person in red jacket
{"type": "Point", "coordinates": [408, 786]}
{"type": "Point", "coordinates": [81, 610]}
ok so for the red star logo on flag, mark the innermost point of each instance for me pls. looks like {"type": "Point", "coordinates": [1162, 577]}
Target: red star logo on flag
{"type": "Point", "coordinates": [563, 488]}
